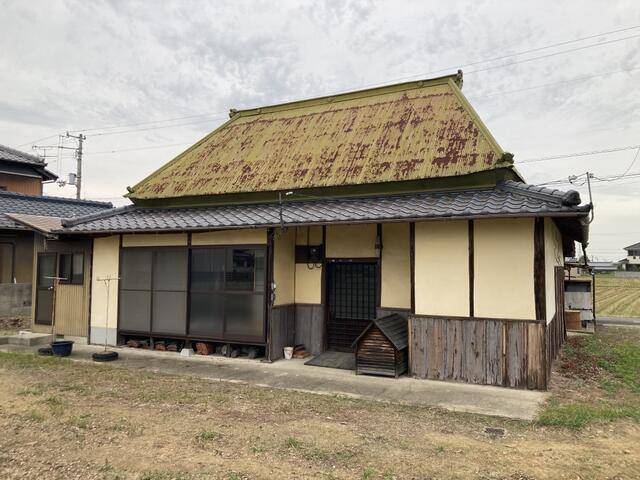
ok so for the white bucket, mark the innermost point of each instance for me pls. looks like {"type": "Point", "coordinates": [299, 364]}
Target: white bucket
{"type": "Point", "coordinates": [288, 353]}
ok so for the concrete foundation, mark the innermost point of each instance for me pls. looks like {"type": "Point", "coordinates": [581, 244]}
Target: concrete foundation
{"type": "Point", "coordinates": [98, 336]}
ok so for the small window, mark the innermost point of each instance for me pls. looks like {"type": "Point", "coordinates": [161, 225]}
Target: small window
{"type": "Point", "coordinates": [77, 268]}
{"type": "Point", "coordinates": [71, 268]}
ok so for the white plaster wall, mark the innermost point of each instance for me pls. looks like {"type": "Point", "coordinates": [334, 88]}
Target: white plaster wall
{"type": "Point", "coordinates": [503, 268]}
{"type": "Point", "coordinates": [442, 268]}
{"type": "Point", "coordinates": [104, 316]}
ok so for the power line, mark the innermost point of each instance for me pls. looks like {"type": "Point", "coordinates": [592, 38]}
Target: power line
{"type": "Point", "coordinates": [36, 141]}
{"type": "Point", "coordinates": [423, 74]}
{"type": "Point", "coordinates": [632, 163]}
{"type": "Point", "coordinates": [561, 82]}
{"type": "Point", "coordinates": [578, 154]}
{"type": "Point", "coordinates": [152, 128]}
{"type": "Point", "coordinates": [139, 148]}
{"type": "Point", "coordinates": [571, 180]}
{"type": "Point", "coordinates": [577, 79]}
{"type": "Point", "coordinates": [151, 122]}
{"type": "Point", "coordinates": [516, 62]}
{"type": "Point", "coordinates": [501, 57]}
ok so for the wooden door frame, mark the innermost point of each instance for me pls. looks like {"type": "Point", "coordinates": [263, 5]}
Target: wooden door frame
{"type": "Point", "coordinates": [55, 274]}
{"type": "Point", "coordinates": [325, 286]}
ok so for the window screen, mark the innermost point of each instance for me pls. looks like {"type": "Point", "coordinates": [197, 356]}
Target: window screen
{"type": "Point", "coordinates": [77, 268]}
{"type": "Point", "coordinates": [64, 267]}
{"type": "Point", "coordinates": [136, 269]}
{"type": "Point", "coordinates": [135, 294]}
{"type": "Point", "coordinates": [227, 293]}
{"type": "Point", "coordinates": [154, 290]}
{"type": "Point", "coordinates": [71, 268]}
{"type": "Point", "coordinates": [169, 311]}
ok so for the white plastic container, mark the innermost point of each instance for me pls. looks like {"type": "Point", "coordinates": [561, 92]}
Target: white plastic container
{"type": "Point", "coordinates": [288, 353]}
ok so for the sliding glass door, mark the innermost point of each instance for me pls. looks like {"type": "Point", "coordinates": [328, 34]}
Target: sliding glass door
{"type": "Point", "coordinates": [227, 293]}
{"type": "Point", "coordinates": [208, 292]}
{"type": "Point", "coordinates": [153, 292]}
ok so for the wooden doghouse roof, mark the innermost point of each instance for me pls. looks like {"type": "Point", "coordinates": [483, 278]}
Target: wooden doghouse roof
{"type": "Point", "coordinates": [393, 326]}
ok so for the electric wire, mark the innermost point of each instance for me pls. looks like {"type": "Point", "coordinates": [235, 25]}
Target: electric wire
{"type": "Point", "coordinates": [423, 74]}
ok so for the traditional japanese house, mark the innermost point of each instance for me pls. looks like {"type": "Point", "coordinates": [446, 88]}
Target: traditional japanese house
{"type": "Point", "coordinates": [301, 223]}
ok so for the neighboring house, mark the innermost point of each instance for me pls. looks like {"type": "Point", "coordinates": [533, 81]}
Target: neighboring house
{"type": "Point", "coordinates": [21, 172]}
{"type": "Point", "coordinates": [21, 178]}
{"type": "Point", "coordinates": [632, 262]}
{"type": "Point", "coordinates": [603, 267]}
{"type": "Point", "coordinates": [300, 223]}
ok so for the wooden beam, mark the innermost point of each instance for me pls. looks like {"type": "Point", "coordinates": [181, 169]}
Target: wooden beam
{"type": "Point", "coordinates": [412, 264]}
{"type": "Point", "coordinates": [379, 268]}
{"type": "Point", "coordinates": [269, 295]}
{"type": "Point", "coordinates": [539, 270]}
{"type": "Point", "coordinates": [471, 269]}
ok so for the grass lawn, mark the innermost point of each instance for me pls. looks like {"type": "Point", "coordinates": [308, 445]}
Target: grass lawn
{"type": "Point", "coordinates": [617, 297]}
{"type": "Point", "coordinates": [61, 419]}
{"type": "Point", "coordinates": [597, 380]}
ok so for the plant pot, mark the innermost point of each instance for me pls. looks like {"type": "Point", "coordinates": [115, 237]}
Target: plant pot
{"type": "Point", "coordinates": [62, 348]}
{"type": "Point", "coordinates": [288, 353]}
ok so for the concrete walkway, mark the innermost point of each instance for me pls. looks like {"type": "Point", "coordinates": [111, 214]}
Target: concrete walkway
{"type": "Point", "coordinates": [294, 375]}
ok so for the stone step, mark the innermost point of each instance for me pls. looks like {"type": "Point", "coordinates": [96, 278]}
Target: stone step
{"type": "Point", "coordinates": [27, 339]}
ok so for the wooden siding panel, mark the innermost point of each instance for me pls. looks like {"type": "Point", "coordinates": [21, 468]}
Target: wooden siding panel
{"type": "Point", "coordinates": [494, 331]}
{"type": "Point", "coordinates": [281, 330]}
{"type": "Point", "coordinates": [21, 184]}
{"type": "Point", "coordinates": [454, 350]}
{"type": "Point", "coordinates": [310, 327]}
{"type": "Point", "coordinates": [474, 356]}
{"type": "Point", "coordinates": [536, 351]}
{"type": "Point", "coordinates": [436, 348]}
{"type": "Point", "coordinates": [475, 350]}
{"type": "Point", "coordinates": [516, 358]}
{"type": "Point", "coordinates": [70, 311]}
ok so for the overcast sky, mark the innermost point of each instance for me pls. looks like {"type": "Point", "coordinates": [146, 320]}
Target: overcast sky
{"type": "Point", "coordinates": [70, 65]}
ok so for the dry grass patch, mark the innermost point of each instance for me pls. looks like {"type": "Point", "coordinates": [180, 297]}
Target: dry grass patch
{"type": "Point", "coordinates": [113, 423]}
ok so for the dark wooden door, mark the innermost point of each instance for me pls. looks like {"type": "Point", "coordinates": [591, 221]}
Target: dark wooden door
{"type": "Point", "coordinates": [44, 288]}
{"type": "Point", "coordinates": [351, 301]}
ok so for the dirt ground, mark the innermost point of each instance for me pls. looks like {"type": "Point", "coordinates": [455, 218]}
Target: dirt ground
{"type": "Point", "coordinates": [68, 420]}
{"type": "Point", "coordinates": [11, 325]}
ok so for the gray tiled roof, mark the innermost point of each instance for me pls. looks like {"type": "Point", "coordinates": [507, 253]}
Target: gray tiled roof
{"type": "Point", "coordinates": [12, 155]}
{"type": "Point", "coordinates": [507, 199]}
{"type": "Point", "coordinates": [11, 202]}
{"type": "Point", "coordinates": [632, 247]}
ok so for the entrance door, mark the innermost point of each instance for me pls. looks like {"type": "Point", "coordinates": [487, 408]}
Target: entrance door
{"type": "Point", "coordinates": [44, 288]}
{"type": "Point", "coordinates": [351, 301]}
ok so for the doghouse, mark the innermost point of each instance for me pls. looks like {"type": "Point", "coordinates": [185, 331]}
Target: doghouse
{"type": "Point", "coordinates": [381, 349]}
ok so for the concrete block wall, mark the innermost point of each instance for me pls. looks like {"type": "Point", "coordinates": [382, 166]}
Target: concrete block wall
{"type": "Point", "coordinates": [15, 300]}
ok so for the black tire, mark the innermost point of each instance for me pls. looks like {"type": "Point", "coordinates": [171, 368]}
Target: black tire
{"type": "Point", "coordinates": [104, 356]}
{"type": "Point", "coordinates": [45, 351]}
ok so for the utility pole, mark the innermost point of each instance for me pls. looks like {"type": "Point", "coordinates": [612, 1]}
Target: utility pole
{"type": "Point", "coordinates": [80, 139]}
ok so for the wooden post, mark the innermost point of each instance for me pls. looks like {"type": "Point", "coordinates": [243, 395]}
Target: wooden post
{"type": "Point", "coordinates": [412, 264]}
{"type": "Point", "coordinates": [471, 269]}
{"type": "Point", "coordinates": [539, 276]}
